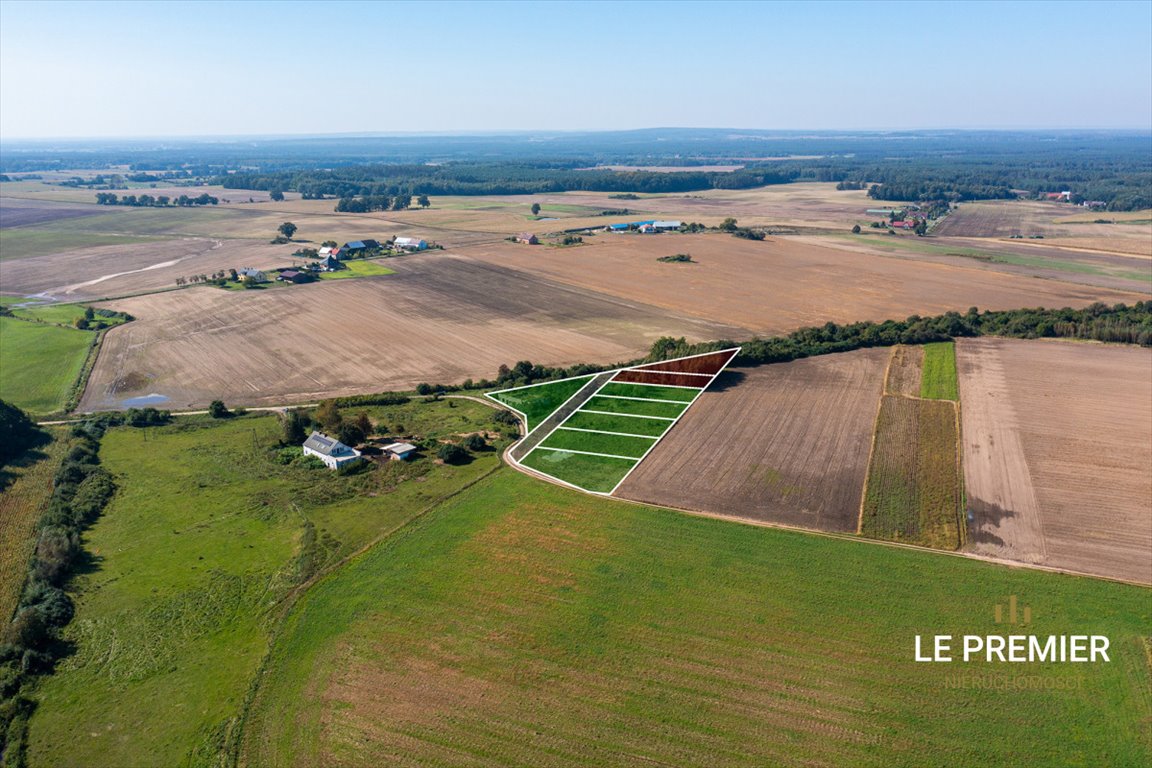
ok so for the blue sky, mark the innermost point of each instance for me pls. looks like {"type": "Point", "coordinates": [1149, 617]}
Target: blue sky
{"type": "Point", "coordinates": [95, 69]}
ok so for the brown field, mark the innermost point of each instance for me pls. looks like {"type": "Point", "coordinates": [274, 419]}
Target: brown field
{"type": "Point", "coordinates": [1057, 445]}
{"type": "Point", "coordinates": [904, 371]}
{"type": "Point", "coordinates": [785, 443]}
{"type": "Point", "coordinates": [21, 213]}
{"type": "Point", "coordinates": [779, 285]}
{"type": "Point", "coordinates": [440, 318]}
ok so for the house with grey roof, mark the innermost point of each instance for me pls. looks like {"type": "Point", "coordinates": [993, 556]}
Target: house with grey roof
{"type": "Point", "coordinates": [399, 451]}
{"type": "Point", "coordinates": [330, 450]}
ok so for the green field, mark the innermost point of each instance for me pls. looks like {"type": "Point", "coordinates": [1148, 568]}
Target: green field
{"type": "Point", "coordinates": [649, 391]}
{"type": "Point", "coordinates": [524, 624]}
{"type": "Point", "coordinates": [598, 442]}
{"type": "Point", "coordinates": [39, 363]}
{"type": "Point", "coordinates": [599, 474]}
{"type": "Point", "coordinates": [938, 380]}
{"type": "Point", "coordinates": [913, 493]}
{"type": "Point", "coordinates": [358, 268]}
{"type": "Point", "coordinates": [193, 560]}
{"type": "Point", "coordinates": [636, 407]}
{"type": "Point", "coordinates": [629, 425]}
{"type": "Point", "coordinates": [538, 401]}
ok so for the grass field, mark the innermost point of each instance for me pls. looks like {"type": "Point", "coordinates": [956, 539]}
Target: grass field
{"type": "Point", "coordinates": [537, 402]}
{"type": "Point", "coordinates": [598, 442]}
{"type": "Point", "coordinates": [599, 474]}
{"type": "Point", "coordinates": [635, 407]}
{"type": "Point", "coordinates": [628, 425]}
{"type": "Point", "coordinates": [204, 539]}
{"type": "Point", "coordinates": [913, 491]}
{"type": "Point", "coordinates": [938, 379]}
{"type": "Point", "coordinates": [649, 392]}
{"type": "Point", "coordinates": [39, 363]}
{"type": "Point", "coordinates": [524, 624]}
{"type": "Point", "coordinates": [358, 268]}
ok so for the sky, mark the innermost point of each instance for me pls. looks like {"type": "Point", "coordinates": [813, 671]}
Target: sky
{"type": "Point", "coordinates": [157, 69]}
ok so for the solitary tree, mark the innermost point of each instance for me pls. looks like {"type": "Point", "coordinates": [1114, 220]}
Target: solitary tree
{"type": "Point", "coordinates": [218, 410]}
{"type": "Point", "coordinates": [475, 443]}
{"type": "Point", "coordinates": [856, 229]}
{"type": "Point", "coordinates": [276, 195]}
{"type": "Point", "coordinates": [535, 209]}
{"type": "Point", "coordinates": [329, 416]}
{"type": "Point", "coordinates": [423, 201]}
{"type": "Point", "coordinates": [451, 454]}
{"type": "Point", "coordinates": [287, 229]}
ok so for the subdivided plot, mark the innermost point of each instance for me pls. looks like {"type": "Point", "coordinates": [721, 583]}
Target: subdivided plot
{"type": "Point", "coordinates": [596, 435]}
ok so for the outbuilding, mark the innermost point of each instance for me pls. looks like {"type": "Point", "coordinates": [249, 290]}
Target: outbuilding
{"type": "Point", "coordinates": [527, 238]}
{"type": "Point", "coordinates": [329, 450]}
{"type": "Point", "coordinates": [410, 243]}
{"type": "Point", "coordinates": [399, 451]}
{"type": "Point", "coordinates": [666, 224]}
{"type": "Point", "coordinates": [295, 276]}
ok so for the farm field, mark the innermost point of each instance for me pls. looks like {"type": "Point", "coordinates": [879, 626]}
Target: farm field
{"type": "Point", "coordinates": [520, 623]}
{"type": "Point", "coordinates": [782, 284]}
{"type": "Point", "coordinates": [205, 538]}
{"type": "Point", "coordinates": [358, 268]}
{"type": "Point", "coordinates": [538, 401]}
{"type": "Point", "coordinates": [1004, 218]}
{"type": "Point", "coordinates": [784, 443]}
{"type": "Point", "coordinates": [938, 379]}
{"type": "Point", "coordinates": [439, 318]}
{"type": "Point", "coordinates": [1056, 453]}
{"type": "Point", "coordinates": [39, 363]}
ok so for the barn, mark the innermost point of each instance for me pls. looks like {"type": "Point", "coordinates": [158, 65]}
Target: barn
{"type": "Point", "coordinates": [410, 243]}
{"type": "Point", "coordinates": [329, 450]}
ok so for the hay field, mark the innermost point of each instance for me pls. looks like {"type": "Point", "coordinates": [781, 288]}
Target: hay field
{"type": "Point", "coordinates": [1057, 445]}
{"type": "Point", "coordinates": [439, 318]}
{"type": "Point", "coordinates": [779, 285]}
{"type": "Point", "coordinates": [784, 443]}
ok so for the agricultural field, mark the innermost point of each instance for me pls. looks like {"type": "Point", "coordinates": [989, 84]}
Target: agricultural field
{"type": "Point", "coordinates": [1056, 453]}
{"type": "Point", "coordinates": [938, 377]}
{"type": "Point", "coordinates": [358, 268]}
{"type": "Point", "coordinates": [206, 538]}
{"type": "Point", "coordinates": [784, 443]}
{"type": "Point", "coordinates": [40, 363]}
{"type": "Point", "coordinates": [438, 319]}
{"type": "Point", "coordinates": [521, 623]}
{"type": "Point", "coordinates": [537, 402]}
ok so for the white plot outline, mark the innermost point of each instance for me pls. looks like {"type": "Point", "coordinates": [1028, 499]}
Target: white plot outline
{"type": "Point", "coordinates": [627, 415]}
{"type": "Point", "coordinates": [656, 441]}
{"type": "Point", "coordinates": [489, 395]}
{"type": "Point", "coordinates": [606, 432]}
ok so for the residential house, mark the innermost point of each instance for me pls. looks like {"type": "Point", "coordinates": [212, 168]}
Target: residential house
{"type": "Point", "coordinates": [250, 275]}
{"type": "Point", "coordinates": [527, 238]}
{"type": "Point", "coordinates": [329, 450]}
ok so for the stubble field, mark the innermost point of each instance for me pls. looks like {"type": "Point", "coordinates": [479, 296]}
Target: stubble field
{"type": "Point", "coordinates": [1057, 445]}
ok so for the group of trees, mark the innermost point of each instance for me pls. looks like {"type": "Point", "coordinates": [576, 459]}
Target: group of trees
{"type": "Point", "coordinates": [350, 431]}
{"type": "Point", "coordinates": [371, 203]}
{"type": "Point", "coordinates": [160, 201]}
{"type": "Point", "coordinates": [18, 433]}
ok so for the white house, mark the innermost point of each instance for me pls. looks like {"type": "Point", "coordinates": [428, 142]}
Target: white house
{"type": "Point", "coordinates": [410, 243]}
{"type": "Point", "coordinates": [329, 450]}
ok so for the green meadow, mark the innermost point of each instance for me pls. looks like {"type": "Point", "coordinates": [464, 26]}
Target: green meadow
{"type": "Point", "coordinates": [938, 380]}
{"type": "Point", "coordinates": [538, 401]}
{"type": "Point", "coordinates": [39, 363]}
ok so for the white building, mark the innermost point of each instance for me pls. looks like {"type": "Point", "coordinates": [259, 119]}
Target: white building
{"type": "Point", "coordinates": [666, 224]}
{"type": "Point", "coordinates": [329, 450]}
{"type": "Point", "coordinates": [399, 451]}
{"type": "Point", "coordinates": [410, 243]}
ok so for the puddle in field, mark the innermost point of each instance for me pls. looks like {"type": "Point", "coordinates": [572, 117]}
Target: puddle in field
{"type": "Point", "coordinates": [144, 400]}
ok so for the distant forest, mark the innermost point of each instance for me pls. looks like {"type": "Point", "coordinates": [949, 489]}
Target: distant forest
{"type": "Point", "coordinates": [1114, 167]}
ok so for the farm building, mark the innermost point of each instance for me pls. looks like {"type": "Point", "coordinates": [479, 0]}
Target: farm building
{"type": "Point", "coordinates": [295, 276]}
{"type": "Point", "coordinates": [248, 274]}
{"type": "Point", "coordinates": [355, 248]}
{"type": "Point", "coordinates": [903, 225]}
{"type": "Point", "coordinates": [329, 450]}
{"type": "Point", "coordinates": [399, 451]}
{"type": "Point", "coordinates": [410, 243]}
{"type": "Point", "coordinates": [667, 224]}
{"type": "Point", "coordinates": [527, 238]}
{"type": "Point", "coordinates": [325, 252]}
{"type": "Point", "coordinates": [330, 262]}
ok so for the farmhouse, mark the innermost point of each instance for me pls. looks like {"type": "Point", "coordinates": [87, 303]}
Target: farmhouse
{"type": "Point", "coordinates": [330, 262]}
{"type": "Point", "coordinates": [250, 275]}
{"type": "Point", "coordinates": [329, 450]}
{"type": "Point", "coordinates": [527, 238]}
{"type": "Point", "coordinates": [399, 451]}
{"type": "Point", "coordinates": [410, 243]}
{"type": "Point", "coordinates": [295, 276]}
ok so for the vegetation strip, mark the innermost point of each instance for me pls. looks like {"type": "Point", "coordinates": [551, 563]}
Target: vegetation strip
{"type": "Point", "coordinates": [586, 453]}
{"type": "Point", "coordinates": [606, 432]}
{"type": "Point", "coordinates": [629, 415]}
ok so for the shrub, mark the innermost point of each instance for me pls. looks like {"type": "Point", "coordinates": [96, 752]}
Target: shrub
{"type": "Point", "coordinates": [475, 443]}
{"type": "Point", "coordinates": [450, 453]}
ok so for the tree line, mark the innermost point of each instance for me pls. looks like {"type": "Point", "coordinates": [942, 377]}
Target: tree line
{"type": "Point", "coordinates": [158, 201]}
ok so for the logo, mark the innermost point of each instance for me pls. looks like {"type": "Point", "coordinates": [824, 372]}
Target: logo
{"type": "Point", "coordinates": [1012, 648]}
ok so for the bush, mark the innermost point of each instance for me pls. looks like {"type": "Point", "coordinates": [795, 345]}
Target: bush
{"type": "Point", "coordinates": [475, 443]}
{"type": "Point", "coordinates": [450, 453]}
{"type": "Point", "coordinates": [217, 410]}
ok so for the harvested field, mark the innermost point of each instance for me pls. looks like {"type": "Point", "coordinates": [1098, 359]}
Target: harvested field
{"type": "Point", "coordinates": [904, 371]}
{"type": "Point", "coordinates": [784, 443]}
{"type": "Point", "coordinates": [114, 270]}
{"type": "Point", "coordinates": [913, 492]}
{"type": "Point", "coordinates": [779, 285]}
{"type": "Point", "coordinates": [438, 319]}
{"type": "Point", "coordinates": [1057, 445]}
{"type": "Point", "coordinates": [22, 213]}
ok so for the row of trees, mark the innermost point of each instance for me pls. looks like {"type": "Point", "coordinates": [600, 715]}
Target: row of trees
{"type": "Point", "coordinates": [371, 203]}
{"type": "Point", "coordinates": [159, 201]}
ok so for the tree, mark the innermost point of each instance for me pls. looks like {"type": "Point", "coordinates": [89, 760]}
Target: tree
{"type": "Point", "coordinates": [363, 423]}
{"type": "Point", "coordinates": [350, 434]}
{"type": "Point", "coordinates": [328, 244]}
{"type": "Point", "coordinates": [475, 443]}
{"type": "Point", "coordinates": [277, 196]}
{"type": "Point", "coordinates": [856, 229]}
{"type": "Point", "coordinates": [423, 201]}
{"type": "Point", "coordinates": [450, 453]}
{"type": "Point", "coordinates": [329, 416]}
{"type": "Point", "coordinates": [535, 209]}
{"type": "Point", "coordinates": [217, 410]}
{"type": "Point", "coordinates": [921, 228]}
{"type": "Point", "coordinates": [728, 225]}
{"type": "Point", "coordinates": [287, 229]}
{"type": "Point", "coordinates": [293, 427]}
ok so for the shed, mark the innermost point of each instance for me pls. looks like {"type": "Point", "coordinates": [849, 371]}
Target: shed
{"type": "Point", "coordinates": [295, 276]}
{"type": "Point", "coordinates": [410, 243]}
{"type": "Point", "coordinates": [329, 450]}
{"type": "Point", "coordinates": [399, 451]}
{"type": "Point", "coordinates": [666, 224]}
